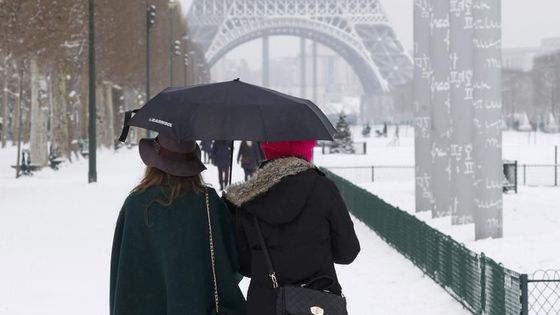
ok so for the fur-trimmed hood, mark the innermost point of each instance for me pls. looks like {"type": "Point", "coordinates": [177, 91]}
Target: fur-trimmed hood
{"type": "Point", "coordinates": [265, 178]}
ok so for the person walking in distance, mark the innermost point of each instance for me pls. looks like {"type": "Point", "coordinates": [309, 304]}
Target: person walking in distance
{"type": "Point", "coordinates": [221, 158]}
{"type": "Point", "coordinates": [249, 157]}
{"type": "Point", "coordinates": [206, 147]}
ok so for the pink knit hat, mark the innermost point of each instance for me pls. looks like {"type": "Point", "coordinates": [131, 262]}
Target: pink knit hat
{"type": "Point", "coordinates": [302, 149]}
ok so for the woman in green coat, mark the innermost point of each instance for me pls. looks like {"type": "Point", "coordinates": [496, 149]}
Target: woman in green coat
{"type": "Point", "coordinates": [164, 260]}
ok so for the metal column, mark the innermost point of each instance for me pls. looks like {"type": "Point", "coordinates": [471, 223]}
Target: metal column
{"type": "Point", "coordinates": [440, 109]}
{"type": "Point", "coordinates": [461, 74]}
{"type": "Point", "coordinates": [487, 119]}
{"type": "Point", "coordinates": [422, 119]}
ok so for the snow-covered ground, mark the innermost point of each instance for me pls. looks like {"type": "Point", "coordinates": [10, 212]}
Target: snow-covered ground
{"type": "Point", "coordinates": [531, 217]}
{"type": "Point", "coordinates": [56, 232]}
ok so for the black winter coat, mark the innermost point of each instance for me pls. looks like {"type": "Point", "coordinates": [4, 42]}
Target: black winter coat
{"type": "Point", "coordinates": [305, 223]}
{"type": "Point", "coordinates": [160, 263]}
{"type": "Point", "coordinates": [249, 156]}
{"type": "Point", "coordinates": [220, 154]}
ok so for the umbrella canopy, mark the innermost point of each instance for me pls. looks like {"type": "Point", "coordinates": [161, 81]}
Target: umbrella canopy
{"type": "Point", "coordinates": [231, 110]}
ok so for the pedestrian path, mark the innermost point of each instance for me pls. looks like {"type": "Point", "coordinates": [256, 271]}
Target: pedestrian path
{"type": "Point", "coordinates": [55, 242]}
{"type": "Point", "coordinates": [381, 280]}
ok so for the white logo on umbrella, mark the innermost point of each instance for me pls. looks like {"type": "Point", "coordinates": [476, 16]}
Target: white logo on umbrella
{"type": "Point", "coordinates": [161, 122]}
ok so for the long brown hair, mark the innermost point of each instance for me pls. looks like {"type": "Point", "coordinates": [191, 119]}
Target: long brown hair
{"type": "Point", "coordinates": [175, 185]}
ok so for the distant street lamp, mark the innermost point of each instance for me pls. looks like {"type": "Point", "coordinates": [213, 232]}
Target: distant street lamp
{"type": "Point", "coordinates": [150, 21]}
{"type": "Point", "coordinates": [193, 64]}
{"type": "Point", "coordinates": [199, 75]}
{"type": "Point", "coordinates": [186, 60]}
{"type": "Point", "coordinates": [92, 146]}
{"type": "Point", "coordinates": [173, 47]}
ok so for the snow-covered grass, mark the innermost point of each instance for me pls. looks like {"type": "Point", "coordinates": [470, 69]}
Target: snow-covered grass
{"type": "Point", "coordinates": [531, 217]}
{"type": "Point", "coordinates": [56, 232]}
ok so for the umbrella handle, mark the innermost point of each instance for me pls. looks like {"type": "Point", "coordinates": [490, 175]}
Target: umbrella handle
{"type": "Point", "coordinates": [126, 127]}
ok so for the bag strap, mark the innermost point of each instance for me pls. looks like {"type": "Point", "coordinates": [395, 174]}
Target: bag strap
{"type": "Point", "coordinates": [212, 256]}
{"type": "Point", "coordinates": [264, 248]}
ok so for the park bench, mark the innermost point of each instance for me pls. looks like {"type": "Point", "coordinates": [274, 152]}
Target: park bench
{"type": "Point", "coordinates": [26, 167]}
{"type": "Point", "coordinates": [54, 162]}
{"type": "Point", "coordinates": [84, 147]}
{"type": "Point", "coordinates": [360, 147]}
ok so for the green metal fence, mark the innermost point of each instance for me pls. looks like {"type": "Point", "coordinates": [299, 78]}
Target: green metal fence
{"type": "Point", "coordinates": [482, 285]}
{"type": "Point", "coordinates": [543, 292]}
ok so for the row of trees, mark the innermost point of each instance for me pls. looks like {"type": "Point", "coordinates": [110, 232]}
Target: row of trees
{"type": "Point", "coordinates": [44, 69]}
{"type": "Point", "coordinates": [535, 92]}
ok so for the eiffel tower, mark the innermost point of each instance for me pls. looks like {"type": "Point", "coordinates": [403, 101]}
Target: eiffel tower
{"type": "Point", "coordinates": [358, 30]}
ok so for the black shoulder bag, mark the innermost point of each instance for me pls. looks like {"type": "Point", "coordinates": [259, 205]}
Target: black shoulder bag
{"type": "Point", "coordinates": [301, 299]}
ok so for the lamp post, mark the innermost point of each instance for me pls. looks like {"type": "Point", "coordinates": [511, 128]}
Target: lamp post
{"type": "Point", "coordinates": [193, 64]}
{"type": "Point", "coordinates": [186, 60]}
{"type": "Point", "coordinates": [172, 4]}
{"type": "Point", "coordinates": [150, 21]}
{"type": "Point", "coordinates": [92, 146]}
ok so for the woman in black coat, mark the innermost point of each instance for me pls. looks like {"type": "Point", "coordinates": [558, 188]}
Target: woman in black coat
{"type": "Point", "coordinates": [303, 218]}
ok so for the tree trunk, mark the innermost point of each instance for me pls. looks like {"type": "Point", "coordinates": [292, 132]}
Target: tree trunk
{"type": "Point", "coordinates": [109, 115]}
{"type": "Point", "coordinates": [72, 114]}
{"type": "Point", "coordinates": [83, 116]}
{"type": "Point", "coordinates": [39, 118]}
{"type": "Point", "coordinates": [26, 108]}
{"type": "Point", "coordinates": [5, 109]}
{"type": "Point", "coordinates": [18, 112]}
{"type": "Point", "coordinates": [101, 117]}
{"type": "Point", "coordinates": [19, 116]}
{"type": "Point", "coordinates": [60, 116]}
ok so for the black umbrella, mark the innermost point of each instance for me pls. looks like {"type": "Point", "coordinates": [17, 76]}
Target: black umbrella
{"type": "Point", "coordinates": [231, 110]}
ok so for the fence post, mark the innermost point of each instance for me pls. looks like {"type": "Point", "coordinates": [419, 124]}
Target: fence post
{"type": "Point", "coordinates": [372, 174]}
{"type": "Point", "coordinates": [524, 174]}
{"type": "Point", "coordinates": [524, 294]}
{"type": "Point", "coordinates": [483, 283]}
{"type": "Point", "coordinates": [365, 147]}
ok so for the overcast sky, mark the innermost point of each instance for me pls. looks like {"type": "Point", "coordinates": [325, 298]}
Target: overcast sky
{"type": "Point", "coordinates": [525, 23]}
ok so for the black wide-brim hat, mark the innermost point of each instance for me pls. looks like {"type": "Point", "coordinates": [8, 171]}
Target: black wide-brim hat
{"type": "Point", "coordinates": [178, 159]}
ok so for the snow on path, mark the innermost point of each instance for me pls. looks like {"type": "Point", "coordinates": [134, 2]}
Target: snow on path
{"type": "Point", "coordinates": [531, 217]}
{"type": "Point", "coordinates": [56, 232]}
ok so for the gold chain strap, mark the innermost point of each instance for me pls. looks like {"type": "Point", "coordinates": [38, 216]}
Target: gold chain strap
{"type": "Point", "coordinates": [212, 257]}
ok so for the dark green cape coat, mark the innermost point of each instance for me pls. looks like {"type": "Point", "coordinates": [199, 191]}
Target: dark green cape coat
{"type": "Point", "coordinates": [160, 261]}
